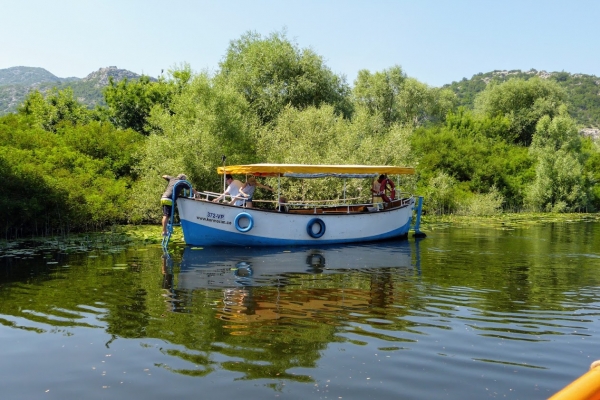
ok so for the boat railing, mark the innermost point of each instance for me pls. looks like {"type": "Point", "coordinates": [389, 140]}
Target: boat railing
{"type": "Point", "coordinates": [334, 206]}
{"type": "Point", "coordinates": [206, 195]}
{"type": "Point", "coordinates": [405, 197]}
{"type": "Point", "coordinates": [209, 196]}
{"type": "Point", "coordinates": [341, 206]}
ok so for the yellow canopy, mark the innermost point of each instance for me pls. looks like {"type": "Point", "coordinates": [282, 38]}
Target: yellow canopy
{"type": "Point", "coordinates": [277, 169]}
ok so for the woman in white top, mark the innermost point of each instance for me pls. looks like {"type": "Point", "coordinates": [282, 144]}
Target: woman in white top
{"type": "Point", "coordinates": [247, 190]}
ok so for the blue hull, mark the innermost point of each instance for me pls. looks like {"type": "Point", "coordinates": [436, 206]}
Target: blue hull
{"type": "Point", "coordinates": [200, 235]}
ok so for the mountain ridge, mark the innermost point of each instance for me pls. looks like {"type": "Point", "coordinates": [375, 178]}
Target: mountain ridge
{"type": "Point", "coordinates": [17, 82]}
{"type": "Point", "coordinates": [27, 76]}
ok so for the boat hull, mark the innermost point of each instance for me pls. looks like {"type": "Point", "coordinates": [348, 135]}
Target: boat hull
{"type": "Point", "coordinates": [212, 224]}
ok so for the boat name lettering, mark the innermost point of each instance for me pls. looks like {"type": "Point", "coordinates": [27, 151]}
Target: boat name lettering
{"type": "Point", "coordinates": [218, 221]}
{"type": "Point", "coordinates": [214, 216]}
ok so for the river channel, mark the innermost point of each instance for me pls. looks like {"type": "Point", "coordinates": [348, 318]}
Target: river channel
{"type": "Point", "coordinates": [466, 313]}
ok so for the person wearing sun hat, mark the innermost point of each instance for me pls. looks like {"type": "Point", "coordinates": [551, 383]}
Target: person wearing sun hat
{"type": "Point", "coordinates": [166, 199]}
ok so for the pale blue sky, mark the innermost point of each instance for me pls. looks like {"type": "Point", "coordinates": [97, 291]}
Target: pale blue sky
{"type": "Point", "coordinates": [434, 41]}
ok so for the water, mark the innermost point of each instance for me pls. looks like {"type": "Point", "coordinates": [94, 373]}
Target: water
{"type": "Point", "coordinates": [467, 313]}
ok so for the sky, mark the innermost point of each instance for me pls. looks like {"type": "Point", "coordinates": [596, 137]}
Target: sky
{"type": "Point", "coordinates": [435, 41]}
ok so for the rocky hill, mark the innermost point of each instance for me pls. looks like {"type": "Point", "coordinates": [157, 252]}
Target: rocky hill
{"type": "Point", "coordinates": [17, 82]}
{"type": "Point", "coordinates": [99, 79]}
{"type": "Point", "coordinates": [583, 92]}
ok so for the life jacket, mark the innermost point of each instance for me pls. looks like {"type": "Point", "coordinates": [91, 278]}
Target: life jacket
{"type": "Point", "coordinates": [383, 188]}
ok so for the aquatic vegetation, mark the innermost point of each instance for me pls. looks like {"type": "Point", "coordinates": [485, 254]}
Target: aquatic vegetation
{"type": "Point", "coordinates": [504, 221]}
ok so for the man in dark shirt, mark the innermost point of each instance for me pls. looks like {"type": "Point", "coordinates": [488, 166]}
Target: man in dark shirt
{"type": "Point", "coordinates": [166, 199]}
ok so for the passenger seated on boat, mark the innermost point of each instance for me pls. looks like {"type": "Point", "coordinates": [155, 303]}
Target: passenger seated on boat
{"type": "Point", "coordinates": [282, 205]}
{"type": "Point", "coordinates": [247, 190]}
{"type": "Point", "coordinates": [233, 190]}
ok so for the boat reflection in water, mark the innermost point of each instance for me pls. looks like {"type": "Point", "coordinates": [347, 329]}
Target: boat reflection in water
{"type": "Point", "coordinates": [260, 284]}
{"type": "Point", "coordinates": [266, 312]}
{"type": "Point", "coordinates": [220, 267]}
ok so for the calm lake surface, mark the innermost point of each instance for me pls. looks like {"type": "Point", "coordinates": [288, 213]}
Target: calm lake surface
{"type": "Point", "coordinates": [466, 313]}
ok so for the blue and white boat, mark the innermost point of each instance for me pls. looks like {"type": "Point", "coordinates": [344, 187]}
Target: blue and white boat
{"type": "Point", "coordinates": [205, 223]}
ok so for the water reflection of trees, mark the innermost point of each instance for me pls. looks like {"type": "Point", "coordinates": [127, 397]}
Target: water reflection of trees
{"type": "Point", "coordinates": [263, 331]}
{"type": "Point", "coordinates": [275, 326]}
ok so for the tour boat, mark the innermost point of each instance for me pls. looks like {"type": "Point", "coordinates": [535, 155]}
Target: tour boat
{"type": "Point", "coordinates": [344, 220]}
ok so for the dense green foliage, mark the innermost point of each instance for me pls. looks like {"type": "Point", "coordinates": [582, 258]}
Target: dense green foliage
{"type": "Point", "coordinates": [510, 145]}
{"type": "Point", "coordinates": [55, 108]}
{"type": "Point", "coordinates": [202, 123]}
{"type": "Point", "coordinates": [273, 73]}
{"type": "Point", "coordinates": [129, 103]}
{"type": "Point", "coordinates": [582, 91]}
{"type": "Point", "coordinates": [559, 184]}
{"type": "Point", "coordinates": [523, 102]}
{"type": "Point", "coordinates": [399, 99]}
{"type": "Point", "coordinates": [74, 177]}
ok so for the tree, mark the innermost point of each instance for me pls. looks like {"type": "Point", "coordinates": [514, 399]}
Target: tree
{"type": "Point", "coordinates": [130, 102]}
{"type": "Point", "coordinates": [524, 102]}
{"type": "Point", "coordinates": [273, 73]}
{"type": "Point", "coordinates": [379, 92]}
{"type": "Point", "coordinates": [204, 121]}
{"type": "Point", "coordinates": [399, 99]}
{"type": "Point", "coordinates": [559, 184]}
{"type": "Point", "coordinates": [306, 136]}
{"type": "Point", "coordinates": [58, 106]}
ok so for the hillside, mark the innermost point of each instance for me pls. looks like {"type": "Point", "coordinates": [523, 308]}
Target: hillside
{"type": "Point", "coordinates": [583, 91]}
{"type": "Point", "coordinates": [28, 76]}
{"type": "Point", "coordinates": [17, 82]}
